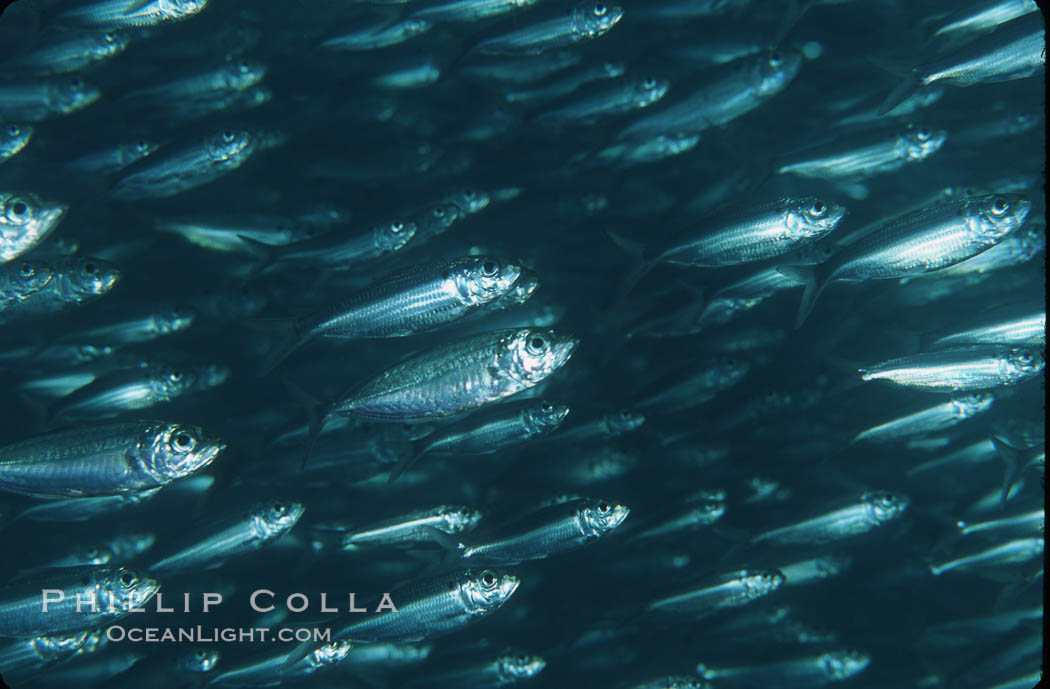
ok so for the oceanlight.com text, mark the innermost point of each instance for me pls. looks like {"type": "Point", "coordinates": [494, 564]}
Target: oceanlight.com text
{"type": "Point", "coordinates": [202, 634]}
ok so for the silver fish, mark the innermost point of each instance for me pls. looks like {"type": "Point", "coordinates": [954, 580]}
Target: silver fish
{"type": "Point", "coordinates": [461, 375]}
{"type": "Point", "coordinates": [729, 590]}
{"type": "Point", "coordinates": [410, 529]}
{"type": "Point", "coordinates": [153, 325]}
{"type": "Point", "coordinates": [336, 251]}
{"type": "Point", "coordinates": [25, 221]}
{"type": "Point", "coordinates": [870, 511]}
{"type": "Point", "coordinates": [68, 53]}
{"type": "Point", "coordinates": [41, 100]}
{"type": "Point", "coordinates": [978, 17]}
{"type": "Point", "coordinates": [233, 76]}
{"type": "Point", "coordinates": [920, 242]}
{"type": "Point", "coordinates": [260, 525]}
{"type": "Point", "coordinates": [469, 10]}
{"type": "Point", "coordinates": [110, 395]}
{"type": "Point", "coordinates": [22, 658]}
{"type": "Point", "coordinates": [13, 139]}
{"type": "Point", "coordinates": [130, 13]}
{"type": "Point", "coordinates": [112, 160]}
{"type": "Point", "coordinates": [583, 22]}
{"type": "Point", "coordinates": [799, 673]}
{"type": "Point", "coordinates": [35, 289]}
{"type": "Point", "coordinates": [178, 170]}
{"type": "Point", "coordinates": [975, 367]}
{"type": "Point", "coordinates": [105, 460]}
{"type": "Point", "coordinates": [116, 591]}
{"type": "Point", "coordinates": [275, 668]}
{"type": "Point", "coordinates": [868, 155]}
{"type": "Point", "coordinates": [1009, 553]}
{"type": "Point", "coordinates": [382, 35]}
{"type": "Point", "coordinates": [410, 301]}
{"type": "Point", "coordinates": [930, 420]}
{"type": "Point", "coordinates": [505, 669]}
{"type": "Point", "coordinates": [565, 85]}
{"type": "Point", "coordinates": [616, 99]}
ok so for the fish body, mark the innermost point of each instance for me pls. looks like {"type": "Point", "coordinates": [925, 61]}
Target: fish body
{"type": "Point", "coordinates": [68, 53]}
{"type": "Point", "coordinates": [869, 512]}
{"type": "Point", "coordinates": [380, 35]}
{"type": "Point", "coordinates": [127, 390]}
{"type": "Point", "coordinates": [975, 367]}
{"type": "Point", "coordinates": [125, 14]}
{"type": "Point", "coordinates": [461, 375]}
{"type": "Point", "coordinates": [801, 673]}
{"type": "Point", "coordinates": [170, 173]}
{"type": "Point", "coordinates": [728, 591]}
{"type": "Point", "coordinates": [939, 417]}
{"type": "Point", "coordinates": [411, 529]}
{"type": "Point", "coordinates": [112, 160]}
{"type": "Point", "coordinates": [25, 222]}
{"type": "Point", "coordinates": [469, 10]}
{"type": "Point", "coordinates": [630, 94]}
{"type": "Point", "coordinates": [868, 156]}
{"type": "Point", "coordinates": [115, 591]}
{"type": "Point", "coordinates": [13, 139]}
{"type": "Point", "coordinates": [1009, 553]}
{"type": "Point", "coordinates": [583, 22]}
{"type": "Point", "coordinates": [45, 99]}
{"type": "Point", "coordinates": [496, 429]}
{"type": "Point", "coordinates": [105, 460]}
{"type": "Point", "coordinates": [36, 289]}
{"type": "Point", "coordinates": [509, 668]}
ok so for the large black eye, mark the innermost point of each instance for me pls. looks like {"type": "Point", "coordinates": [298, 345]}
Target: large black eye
{"type": "Point", "coordinates": [183, 442]}
{"type": "Point", "coordinates": [109, 37]}
{"type": "Point", "coordinates": [924, 134]}
{"type": "Point", "coordinates": [600, 10]}
{"type": "Point", "coordinates": [625, 415]}
{"type": "Point", "coordinates": [603, 507]}
{"type": "Point", "coordinates": [537, 345]}
{"type": "Point", "coordinates": [464, 512]}
{"type": "Point", "coordinates": [818, 208]}
{"type": "Point", "coordinates": [13, 130]}
{"type": "Point", "coordinates": [227, 135]}
{"type": "Point", "coordinates": [27, 270]}
{"type": "Point", "coordinates": [396, 228]}
{"type": "Point", "coordinates": [439, 212]}
{"type": "Point", "coordinates": [1000, 206]}
{"type": "Point", "coordinates": [278, 509]}
{"type": "Point", "coordinates": [488, 579]}
{"type": "Point", "coordinates": [128, 579]}
{"type": "Point", "coordinates": [775, 60]}
{"type": "Point", "coordinates": [489, 268]}
{"type": "Point", "coordinates": [90, 268]}
{"type": "Point", "coordinates": [175, 376]}
{"type": "Point", "coordinates": [546, 406]}
{"type": "Point", "coordinates": [76, 83]}
{"type": "Point", "coordinates": [649, 83]}
{"type": "Point", "coordinates": [19, 208]}
{"type": "Point", "coordinates": [1025, 356]}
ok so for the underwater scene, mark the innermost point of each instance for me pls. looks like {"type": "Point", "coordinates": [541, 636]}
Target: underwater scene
{"type": "Point", "coordinates": [408, 344]}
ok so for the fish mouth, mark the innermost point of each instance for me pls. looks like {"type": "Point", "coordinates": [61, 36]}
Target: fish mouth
{"type": "Point", "coordinates": [508, 586]}
{"type": "Point", "coordinates": [619, 513]}
{"type": "Point", "coordinates": [146, 589]}
{"type": "Point", "coordinates": [208, 455]}
{"type": "Point", "coordinates": [564, 349]}
{"type": "Point", "coordinates": [50, 218]}
{"type": "Point", "coordinates": [562, 412]}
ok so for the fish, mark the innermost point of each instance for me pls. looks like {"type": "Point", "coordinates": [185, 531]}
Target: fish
{"type": "Point", "coordinates": [130, 13]}
{"type": "Point", "coordinates": [68, 53]}
{"type": "Point", "coordinates": [262, 672]}
{"type": "Point", "coordinates": [174, 171]}
{"type": "Point", "coordinates": [924, 241]}
{"type": "Point", "coordinates": [870, 511]}
{"type": "Point", "coordinates": [618, 98]}
{"type": "Point", "coordinates": [26, 220]}
{"type": "Point", "coordinates": [587, 21]}
{"type": "Point", "coordinates": [410, 529]}
{"type": "Point", "coordinates": [1011, 552]}
{"type": "Point", "coordinates": [818, 671]}
{"type": "Point", "coordinates": [46, 98]}
{"type": "Point", "coordinates": [509, 667]}
{"type": "Point", "coordinates": [407, 302]}
{"type": "Point", "coordinates": [728, 590]}
{"type": "Point", "coordinates": [938, 417]}
{"type": "Point", "coordinates": [37, 289]}
{"type": "Point", "coordinates": [114, 459]}
{"type": "Point", "coordinates": [873, 154]}
{"type": "Point", "coordinates": [381, 35]}
{"type": "Point", "coordinates": [116, 591]}
{"type": "Point", "coordinates": [13, 139]}
{"type": "Point", "coordinates": [469, 10]}
{"type": "Point", "coordinates": [976, 367]}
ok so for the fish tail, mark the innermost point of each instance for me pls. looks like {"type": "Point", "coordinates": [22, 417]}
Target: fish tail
{"type": "Point", "coordinates": [807, 275]}
{"type": "Point", "coordinates": [407, 462]}
{"type": "Point", "coordinates": [316, 416]}
{"type": "Point", "coordinates": [266, 254]}
{"type": "Point", "coordinates": [636, 251]}
{"type": "Point", "coordinates": [288, 335]}
{"type": "Point", "coordinates": [1010, 457]}
{"type": "Point", "coordinates": [911, 81]}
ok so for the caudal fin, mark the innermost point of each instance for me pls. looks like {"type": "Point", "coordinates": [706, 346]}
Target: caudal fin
{"type": "Point", "coordinates": [315, 415]}
{"type": "Point", "coordinates": [636, 251]}
{"type": "Point", "coordinates": [265, 254]}
{"type": "Point", "coordinates": [406, 462]}
{"type": "Point", "coordinates": [287, 336]}
{"type": "Point", "coordinates": [910, 82]}
{"type": "Point", "coordinates": [807, 275]}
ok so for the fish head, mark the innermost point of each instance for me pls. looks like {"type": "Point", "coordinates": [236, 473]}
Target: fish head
{"type": "Point", "coordinates": [174, 320]}
{"type": "Point", "coordinates": [482, 279]}
{"type": "Point", "coordinates": [602, 516]}
{"type": "Point", "coordinates": [168, 382]}
{"type": "Point", "coordinates": [140, 149]}
{"type": "Point", "coordinates": [97, 555]}
{"type": "Point", "coordinates": [833, 565]}
{"type": "Point", "coordinates": [514, 665]}
{"type": "Point", "coordinates": [650, 89]}
{"type": "Point", "coordinates": [1024, 361]}
{"type": "Point", "coordinates": [242, 72]}
{"type": "Point", "coordinates": [273, 519]}
{"type": "Point", "coordinates": [88, 277]}
{"type": "Point", "coordinates": [543, 417]}
{"type": "Point", "coordinates": [484, 590]}
{"type": "Point", "coordinates": [528, 282]}
{"type": "Point", "coordinates": [112, 43]}
{"type": "Point", "coordinates": [25, 221]}
{"type": "Point", "coordinates": [839, 665]}
{"type": "Point", "coordinates": [198, 660]}
{"type": "Point", "coordinates": [393, 235]}
{"type": "Point", "coordinates": [998, 215]}
{"type": "Point", "coordinates": [460, 518]}
{"type": "Point", "coordinates": [13, 138]}
{"type": "Point", "coordinates": [177, 9]}
{"type": "Point", "coordinates": [596, 18]}
{"type": "Point", "coordinates": [728, 370]}
{"type": "Point", "coordinates": [470, 201]}
{"type": "Point", "coordinates": [810, 218]}
{"type": "Point", "coordinates": [623, 421]}
{"type": "Point", "coordinates": [708, 511]}
{"type": "Point", "coordinates": [74, 94]}
{"type": "Point", "coordinates": [762, 582]}
{"type": "Point", "coordinates": [122, 589]}
{"type": "Point", "coordinates": [921, 142]}
{"type": "Point", "coordinates": [211, 375]}
{"type": "Point", "coordinates": [885, 506]}
{"type": "Point", "coordinates": [773, 70]}
{"type": "Point", "coordinates": [534, 353]}
{"type": "Point", "coordinates": [972, 403]}
{"type": "Point", "coordinates": [228, 144]}
{"type": "Point", "coordinates": [438, 218]}
{"type": "Point", "coordinates": [173, 451]}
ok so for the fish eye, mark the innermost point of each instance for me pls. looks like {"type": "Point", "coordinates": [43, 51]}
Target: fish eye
{"type": "Point", "coordinates": [818, 209]}
{"type": "Point", "coordinates": [175, 376]}
{"type": "Point", "coordinates": [1025, 356]}
{"type": "Point", "coordinates": [523, 659]}
{"type": "Point", "coordinates": [439, 212]}
{"type": "Point", "coordinates": [649, 83]}
{"type": "Point", "coordinates": [924, 134]}
{"type": "Point", "coordinates": [730, 362]}
{"type": "Point", "coordinates": [227, 135]}
{"type": "Point", "coordinates": [1000, 206]}
{"type": "Point", "coordinates": [625, 414]}
{"type": "Point", "coordinates": [278, 509]}
{"type": "Point", "coordinates": [600, 9]}
{"type": "Point", "coordinates": [488, 579]}
{"type": "Point", "coordinates": [537, 345]}
{"type": "Point", "coordinates": [775, 60]}
{"type": "Point", "coordinates": [546, 406]}
{"type": "Point", "coordinates": [603, 507]}
{"type": "Point", "coordinates": [90, 268]}
{"type": "Point", "coordinates": [76, 83]}
{"type": "Point", "coordinates": [464, 511]}
{"type": "Point", "coordinates": [128, 579]}
{"type": "Point", "coordinates": [396, 228]}
{"type": "Point", "coordinates": [183, 442]}
{"type": "Point", "coordinates": [109, 36]}
{"type": "Point", "coordinates": [19, 208]}
{"type": "Point", "coordinates": [489, 268]}
{"type": "Point", "coordinates": [13, 130]}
